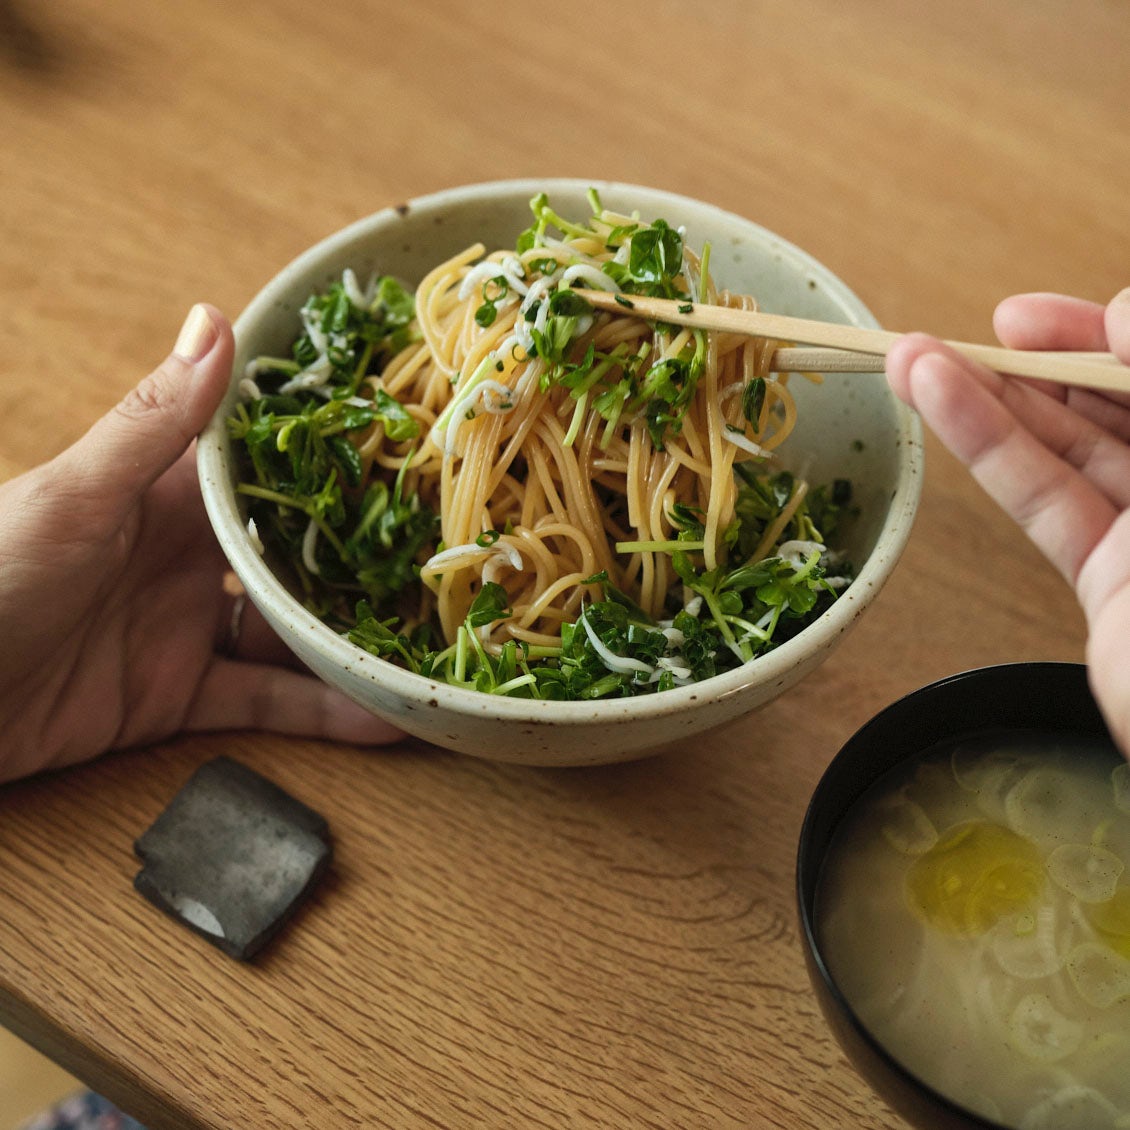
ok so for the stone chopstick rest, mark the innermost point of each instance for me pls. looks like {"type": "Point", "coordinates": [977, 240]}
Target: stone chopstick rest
{"type": "Point", "coordinates": [232, 856]}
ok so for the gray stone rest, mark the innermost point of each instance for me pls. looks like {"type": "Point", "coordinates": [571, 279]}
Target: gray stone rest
{"type": "Point", "coordinates": [232, 856]}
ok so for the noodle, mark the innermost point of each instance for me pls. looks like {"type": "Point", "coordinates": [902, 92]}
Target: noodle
{"type": "Point", "coordinates": [544, 435]}
{"type": "Point", "coordinates": [483, 449]}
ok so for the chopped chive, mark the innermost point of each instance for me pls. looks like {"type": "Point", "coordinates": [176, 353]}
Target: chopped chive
{"type": "Point", "coordinates": [658, 546]}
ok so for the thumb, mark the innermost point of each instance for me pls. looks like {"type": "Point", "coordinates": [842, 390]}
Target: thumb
{"type": "Point", "coordinates": [139, 439]}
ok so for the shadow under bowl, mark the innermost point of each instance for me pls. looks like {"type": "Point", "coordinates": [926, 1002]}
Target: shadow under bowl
{"type": "Point", "coordinates": [1052, 698]}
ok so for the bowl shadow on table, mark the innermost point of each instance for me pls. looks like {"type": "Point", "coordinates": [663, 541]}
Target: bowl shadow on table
{"type": "Point", "coordinates": [677, 829]}
{"type": "Point", "coordinates": [688, 812]}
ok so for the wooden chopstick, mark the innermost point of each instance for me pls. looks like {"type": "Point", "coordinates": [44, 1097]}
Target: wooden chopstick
{"type": "Point", "coordinates": [819, 359]}
{"type": "Point", "coordinates": [1091, 370]}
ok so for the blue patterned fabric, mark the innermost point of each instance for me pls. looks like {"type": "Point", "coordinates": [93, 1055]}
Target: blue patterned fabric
{"type": "Point", "coordinates": [84, 1111]}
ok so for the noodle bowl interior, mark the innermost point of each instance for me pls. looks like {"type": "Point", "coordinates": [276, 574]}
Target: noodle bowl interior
{"type": "Point", "coordinates": [485, 480]}
{"type": "Point", "coordinates": [974, 909]}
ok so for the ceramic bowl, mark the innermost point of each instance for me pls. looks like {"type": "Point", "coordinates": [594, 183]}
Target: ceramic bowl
{"type": "Point", "coordinates": [1049, 698]}
{"type": "Point", "coordinates": [850, 427]}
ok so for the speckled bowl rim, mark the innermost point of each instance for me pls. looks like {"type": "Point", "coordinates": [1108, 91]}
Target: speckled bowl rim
{"type": "Point", "coordinates": [266, 590]}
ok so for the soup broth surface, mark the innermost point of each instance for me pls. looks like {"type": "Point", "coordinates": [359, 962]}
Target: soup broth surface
{"type": "Point", "coordinates": [975, 911]}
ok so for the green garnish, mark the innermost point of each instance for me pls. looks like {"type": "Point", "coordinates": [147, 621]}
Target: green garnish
{"type": "Point", "coordinates": [753, 399]}
{"type": "Point", "coordinates": [302, 466]}
{"type": "Point", "coordinates": [656, 259]}
{"type": "Point", "coordinates": [493, 292]}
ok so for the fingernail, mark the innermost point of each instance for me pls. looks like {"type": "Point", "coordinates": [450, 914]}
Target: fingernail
{"type": "Point", "coordinates": [1122, 297]}
{"type": "Point", "coordinates": [196, 335]}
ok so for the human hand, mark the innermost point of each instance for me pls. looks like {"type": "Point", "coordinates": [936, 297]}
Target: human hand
{"type": "Point", "coordinates": [112, 604]}
{"type": "Point", "coordinates": [1056, 459]}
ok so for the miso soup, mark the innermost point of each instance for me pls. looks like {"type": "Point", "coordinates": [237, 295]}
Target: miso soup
{"type": "Point", "coordinates": [974, 909]}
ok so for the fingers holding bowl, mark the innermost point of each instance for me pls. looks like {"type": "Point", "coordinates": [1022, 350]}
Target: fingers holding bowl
{"type": "Point", "coordinates": [240, 695]}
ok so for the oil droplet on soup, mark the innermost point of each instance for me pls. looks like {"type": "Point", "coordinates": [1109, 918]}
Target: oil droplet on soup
{"type": "Point", "coordinates": [975, 875]}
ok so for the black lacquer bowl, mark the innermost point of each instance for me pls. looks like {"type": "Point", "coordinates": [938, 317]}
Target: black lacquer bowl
{"type": "Point", "coordinates": [1049, 697]}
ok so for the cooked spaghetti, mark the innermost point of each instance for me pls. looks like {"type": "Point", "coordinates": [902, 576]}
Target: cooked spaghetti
{"type": "Point", "coordinates": [493, 483]}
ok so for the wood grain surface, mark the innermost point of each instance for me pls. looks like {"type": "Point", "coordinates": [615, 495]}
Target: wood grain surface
{"type": "Point", "coordinates": [496, 946]}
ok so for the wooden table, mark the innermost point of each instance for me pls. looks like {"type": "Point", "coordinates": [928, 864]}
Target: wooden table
{"type": "Point", "coordinates": [497, 946]}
